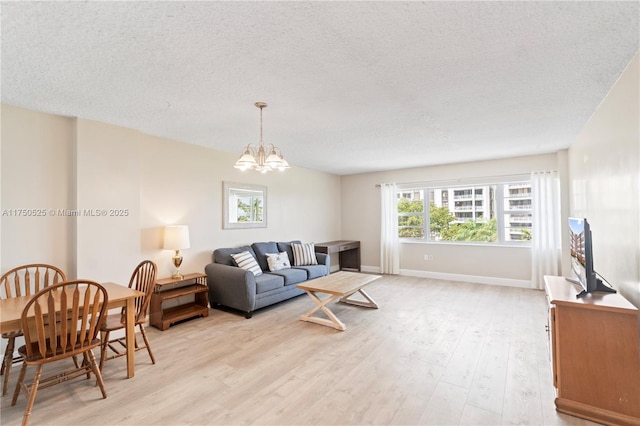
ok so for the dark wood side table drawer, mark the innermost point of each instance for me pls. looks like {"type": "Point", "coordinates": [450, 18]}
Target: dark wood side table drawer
{"type": "Point", "coordinates": [349, 246]}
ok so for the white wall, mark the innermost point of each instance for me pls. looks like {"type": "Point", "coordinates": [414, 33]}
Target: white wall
{"type": "Point", "coordinates": [36, 174]}
{"type": "Point", "coordinates": [604, 168]}
{"type": "Point", "coordinates": [53, 162]}
{"type": "Point", "coordinates": [182, 184]}
{"type": "Point", "coordinates": [108, 196]}
{"type": "Point", "coordinates": [486, 264]}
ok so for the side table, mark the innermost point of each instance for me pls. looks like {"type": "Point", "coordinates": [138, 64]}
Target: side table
{"type": "Point", "coordinates": [348, 253]}
{"type": "Point", "coordinates": [195, 284]}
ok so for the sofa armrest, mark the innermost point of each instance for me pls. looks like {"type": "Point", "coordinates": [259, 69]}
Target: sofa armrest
{"type": "Point", "coordinates": [231, 286]}
{"type": "Point", "coordinates": [324, 259]}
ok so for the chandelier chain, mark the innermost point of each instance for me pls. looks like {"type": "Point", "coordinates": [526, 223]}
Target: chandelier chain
{"type": "Point", "coordinates": [261, 143]}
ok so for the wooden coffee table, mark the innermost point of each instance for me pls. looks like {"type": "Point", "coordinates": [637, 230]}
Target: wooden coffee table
{"type": "Point", "coordinates": [339, 285]}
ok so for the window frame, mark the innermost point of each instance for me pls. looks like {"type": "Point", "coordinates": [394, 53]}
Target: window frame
{"type": "Point", "coordinates": [500, 211]}
{"type": "Point", "coordinates": [231, 192]}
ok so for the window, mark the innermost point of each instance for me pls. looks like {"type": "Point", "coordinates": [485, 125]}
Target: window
{"type": "Point", "coordinates": [490, 213]}
{"type": "Point", "coordinates": [244, 206]}
{"type": "Point", "coordinates": [517, 212]}
{"type": "Point", "coordinates": [411, 214]}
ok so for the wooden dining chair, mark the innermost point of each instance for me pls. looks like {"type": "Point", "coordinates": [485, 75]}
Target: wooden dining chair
{"type": "Point", "coordinates": [59, 322]}
{"type": "Point", "coordinates": [143, 279]}
{"type": "Point", "coordinates": [24, 280]}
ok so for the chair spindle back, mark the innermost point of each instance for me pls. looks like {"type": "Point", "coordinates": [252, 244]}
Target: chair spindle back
{"type": "Point", "coordinates": [26, 280]}
{"type": "Point", "coordinates": [63, 317]}
{"type": "Point", "coordinates": [143, 279]}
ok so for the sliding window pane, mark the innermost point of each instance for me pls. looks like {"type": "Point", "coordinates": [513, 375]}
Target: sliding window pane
{"type": "Point", "coordinates": [463, 214]}
{"type": "Point", "coordinates": [411, 214]}
{"type": "Point", "coordinates": [517, 212]}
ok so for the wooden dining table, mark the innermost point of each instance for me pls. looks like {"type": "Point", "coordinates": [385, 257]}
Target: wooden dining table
{"type": "Point", "coordinates": [119, 296]}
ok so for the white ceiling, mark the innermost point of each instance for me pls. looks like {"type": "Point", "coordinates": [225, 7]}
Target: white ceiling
{"type": "Point", "coordinates": [352, 86]}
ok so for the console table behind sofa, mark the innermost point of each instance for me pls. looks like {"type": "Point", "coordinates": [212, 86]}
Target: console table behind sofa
{"type": "Point", "coordinates": [349, 252]}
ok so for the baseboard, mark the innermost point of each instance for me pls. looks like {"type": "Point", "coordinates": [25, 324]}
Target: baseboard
{"type": "Point", "coordinates": [478, 279]}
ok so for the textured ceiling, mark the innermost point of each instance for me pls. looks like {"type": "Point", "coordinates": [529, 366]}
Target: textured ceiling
{"type": "Point", "coordinates": [351, 86]}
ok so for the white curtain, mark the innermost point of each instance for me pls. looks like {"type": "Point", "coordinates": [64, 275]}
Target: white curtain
{"type": "Point", "coordinates": [389, 246]}
{"type": "Point", "coordinates": [546, 231]}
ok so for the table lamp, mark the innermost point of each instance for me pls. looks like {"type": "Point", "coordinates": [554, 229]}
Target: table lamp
{"type": "Point", "coordinates": [176, 237]}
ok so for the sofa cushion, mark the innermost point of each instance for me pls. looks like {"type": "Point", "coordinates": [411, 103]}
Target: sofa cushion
{"type": "Point", "coordinates": [278, 261]}
{"type": "Point", "coordinates": [291, 276]}
{"type": "Point", "coordinates": [286, 246]}
{"type": "Point", "coordinates": [223, 255]}
{"type": "Point", "coordinates": [267, 282]}
{"type": "Point", "coordinates": [245, 260]}
{"type": "Point", "coordinates": [261, 250]}
{"type": "Point", "coordinates": [304, 254]}
{"type": "Point", "coordinates": [313, 271]}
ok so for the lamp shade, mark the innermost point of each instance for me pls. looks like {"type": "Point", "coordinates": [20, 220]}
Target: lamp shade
{"type": "Point", "coordinates": [176, 237]}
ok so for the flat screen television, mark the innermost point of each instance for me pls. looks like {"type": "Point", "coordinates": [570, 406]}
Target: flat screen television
{"type": "Point", "coordinates": [580, 244]}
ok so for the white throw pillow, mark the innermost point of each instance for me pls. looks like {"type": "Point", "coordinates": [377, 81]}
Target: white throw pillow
{"type": "Point", "coordinates": [245, 260]}
{"type": "Point", "coordinates": [304, 254]}
{"type": "Point", "coordinates": [278, 261]}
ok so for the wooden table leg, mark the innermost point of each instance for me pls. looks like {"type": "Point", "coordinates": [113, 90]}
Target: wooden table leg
{"type": "Point", "coordinates": [369, 304]}
{"type": "Point", "coordinates": [333, 321]}
{"type": "Point", "coordinates": [130, 327]}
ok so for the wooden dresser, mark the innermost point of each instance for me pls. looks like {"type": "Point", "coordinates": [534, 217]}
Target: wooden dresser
{"type": "Point", "coordinates": [595, 353]}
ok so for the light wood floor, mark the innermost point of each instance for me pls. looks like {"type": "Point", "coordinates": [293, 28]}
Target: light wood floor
{"type": "Point", "coordinates": [436, 352]}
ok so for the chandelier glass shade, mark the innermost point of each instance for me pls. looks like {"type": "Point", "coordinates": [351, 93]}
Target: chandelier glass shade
{"type": "Point", "coordinates": [263, 158]}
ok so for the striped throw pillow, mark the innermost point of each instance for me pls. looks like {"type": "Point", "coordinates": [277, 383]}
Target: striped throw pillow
{"type": "Point", "coordinates": [304, 254]}
{"type": "Point", "coordinates": [245, 260]}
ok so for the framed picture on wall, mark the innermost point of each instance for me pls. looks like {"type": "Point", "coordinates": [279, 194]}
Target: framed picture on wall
{"type": "Point", "coordinates": [244, 205]}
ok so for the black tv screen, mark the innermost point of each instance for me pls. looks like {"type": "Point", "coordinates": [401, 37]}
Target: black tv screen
{"type": "Point", "coordinates": [581, 246]}
{"type": "Point", "coordinates": [578, 231]}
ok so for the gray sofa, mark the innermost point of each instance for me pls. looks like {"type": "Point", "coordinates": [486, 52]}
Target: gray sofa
{"type": "Point", "coordinates": [240, 289]}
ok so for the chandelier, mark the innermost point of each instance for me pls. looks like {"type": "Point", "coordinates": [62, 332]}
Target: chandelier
{"type": "Point", "coordinates": [257, 158]}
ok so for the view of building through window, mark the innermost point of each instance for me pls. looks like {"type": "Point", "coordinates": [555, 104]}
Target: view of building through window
{"type": "Point", "coordinates": [483, 213]}
{"type": "Point", "coordinates": [517, 211]}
